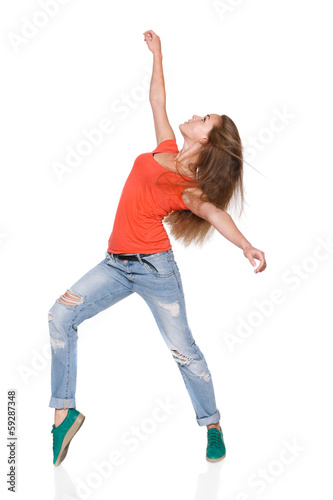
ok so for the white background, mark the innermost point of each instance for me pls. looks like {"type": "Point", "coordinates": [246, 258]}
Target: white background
{"type": "Point", "coordinates": [251, 60]}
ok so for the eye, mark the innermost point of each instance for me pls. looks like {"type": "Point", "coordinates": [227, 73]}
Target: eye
{"type": "Point", "coordinates": [203, 119]}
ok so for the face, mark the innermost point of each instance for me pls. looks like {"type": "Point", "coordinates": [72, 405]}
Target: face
{"type": "Point", "coordinates": [198, 127]}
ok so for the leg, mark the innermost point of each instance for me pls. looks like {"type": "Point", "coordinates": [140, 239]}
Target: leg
{"type": "Point", "coordinates": [161, 288]}
{"type": "Point", "coordinates": [98, 289]}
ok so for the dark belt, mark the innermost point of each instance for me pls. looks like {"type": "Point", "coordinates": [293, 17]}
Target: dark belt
{"type": "Point", "coordinates": [131, 257]}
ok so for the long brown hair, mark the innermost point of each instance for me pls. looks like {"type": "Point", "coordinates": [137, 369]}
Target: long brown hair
{"type": "Point", "coordinates": [218, 171]}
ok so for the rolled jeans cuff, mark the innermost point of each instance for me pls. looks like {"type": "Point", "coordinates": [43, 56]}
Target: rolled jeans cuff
{"type": "Point", "coordinates": [62, 403]}
{"type": "Point", "coordinates": [213, 419]}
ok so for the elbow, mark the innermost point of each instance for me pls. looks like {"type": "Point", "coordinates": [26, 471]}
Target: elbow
{"type": "Point", "coordinates": [215, 214]}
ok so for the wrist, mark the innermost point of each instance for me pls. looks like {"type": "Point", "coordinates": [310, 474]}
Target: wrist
{"type": "Point", "coordinates": [246, 245]}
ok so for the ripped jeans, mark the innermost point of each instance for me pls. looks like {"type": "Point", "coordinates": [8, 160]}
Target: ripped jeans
{"type": "Point", "coordinates": [156, 278]}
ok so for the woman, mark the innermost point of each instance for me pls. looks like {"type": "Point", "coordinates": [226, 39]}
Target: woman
{"type": "Point", "coordinates": [190, 190]}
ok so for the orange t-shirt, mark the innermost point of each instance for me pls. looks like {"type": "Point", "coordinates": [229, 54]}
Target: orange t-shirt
{"type": "Point", "coordinates": [138, 227]}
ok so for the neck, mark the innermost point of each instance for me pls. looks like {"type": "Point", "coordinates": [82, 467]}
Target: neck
{"type": "Point", "coordinates": [188, 154]}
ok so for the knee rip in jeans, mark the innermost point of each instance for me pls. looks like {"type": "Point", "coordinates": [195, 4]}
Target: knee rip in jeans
{"type": "Point", "coordinates": [185, 360]}
{"type": "Point", "coordinates": [173, 308]}
{"type": "Point", "coordinates": [70, 298]}
{"type": "Point", "coordinates": [57, 343]}
{"type": "Point", "coordinates": [205, 376]}
{"type": "Point", "coordinates": [180, 358]}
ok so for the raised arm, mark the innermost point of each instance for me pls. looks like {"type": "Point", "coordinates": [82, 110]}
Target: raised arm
{"type": "Point", "coordinates": [157, 95]}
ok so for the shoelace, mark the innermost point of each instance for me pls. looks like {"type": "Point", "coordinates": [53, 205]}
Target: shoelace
{"type": "Point", "coordinates": [214, 439]}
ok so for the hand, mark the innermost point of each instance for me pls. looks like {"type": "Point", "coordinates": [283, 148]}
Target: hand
{"type": "Point", "coordinates": [250, 253]}
{"type": "Point", "coordinates": [153, 41]}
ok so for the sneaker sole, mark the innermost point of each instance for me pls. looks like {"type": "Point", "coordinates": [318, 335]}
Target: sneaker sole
{"type": "Point", "coordinates": [215, 459]}
{"type": "Point", "coordinates": [68, 437]}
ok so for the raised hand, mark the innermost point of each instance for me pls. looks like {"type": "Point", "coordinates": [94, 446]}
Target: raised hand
{"type": "Point", "coordinates": [153, 41]}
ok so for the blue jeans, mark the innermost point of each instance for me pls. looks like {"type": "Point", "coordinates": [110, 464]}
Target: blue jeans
{"type": "Point", "coordinates": [156, 278]}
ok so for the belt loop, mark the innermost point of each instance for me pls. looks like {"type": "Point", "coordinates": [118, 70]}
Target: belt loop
{"type": "Point", "coordinates": [139, 257]}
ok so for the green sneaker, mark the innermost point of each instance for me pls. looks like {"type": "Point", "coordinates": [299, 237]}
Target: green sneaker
{"type": "Point", "coordinates": [63, 434]}
{"type": "Point", "coordinates": [215, 446]}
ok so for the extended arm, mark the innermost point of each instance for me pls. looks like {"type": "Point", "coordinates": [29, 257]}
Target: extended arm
{"type": "Point", "coordinates": [225, 225]}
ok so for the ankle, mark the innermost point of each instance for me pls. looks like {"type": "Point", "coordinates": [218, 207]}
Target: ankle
{"type": "Point", "coordinates": [216, 426]}
{"type": "Point", "coordinates": [60, 415]}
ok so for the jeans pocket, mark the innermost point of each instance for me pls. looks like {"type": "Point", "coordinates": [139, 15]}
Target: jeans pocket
{"type": "Point", "coordinates": [177, 276]}
{"type": "Point", "coordinates": [109, 259]}
{"type": "Point", "coordinates": [158, 267]}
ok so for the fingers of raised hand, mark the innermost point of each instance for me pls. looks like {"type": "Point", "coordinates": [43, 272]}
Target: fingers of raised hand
{"type": "Point", "coordinates": [150, 34]}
